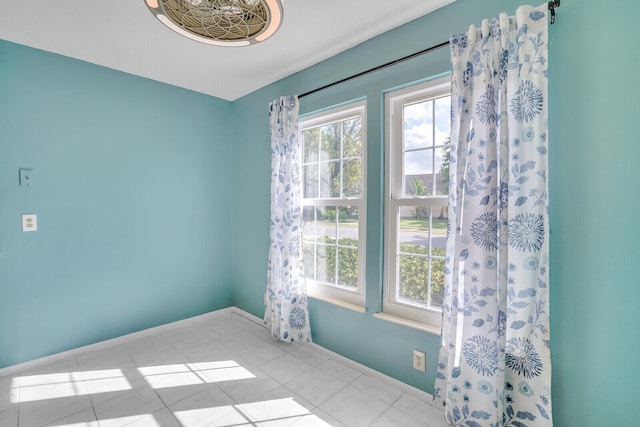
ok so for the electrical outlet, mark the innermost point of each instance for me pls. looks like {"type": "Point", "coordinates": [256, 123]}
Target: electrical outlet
{"type": "Point", "coordinates": [419, 361]}
{"type": "Point", "coordinates": [29, 222]}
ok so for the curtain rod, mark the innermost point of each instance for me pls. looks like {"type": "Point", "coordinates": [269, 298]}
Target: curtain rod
{"type": "Point", "coordinates": [377, 68]}
{"type": "Point", "coordinates": [553, 4]}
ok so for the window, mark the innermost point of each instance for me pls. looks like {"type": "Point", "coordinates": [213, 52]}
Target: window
{"type": "Point", "coordinates": [333, 171]}
{"type": "Point", "coordinates": [417, 180]}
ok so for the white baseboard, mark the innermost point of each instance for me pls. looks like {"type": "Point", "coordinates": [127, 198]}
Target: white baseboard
{"type": "Point", "coordinates": [46, 360]}
{"type": "Point", "coordinates": [403, 387]}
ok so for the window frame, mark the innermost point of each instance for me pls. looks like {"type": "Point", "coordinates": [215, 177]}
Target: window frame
{"type": "Point", "coordinates": [349, 298]}
{"type": "Point", "coordinates": [394, 198]}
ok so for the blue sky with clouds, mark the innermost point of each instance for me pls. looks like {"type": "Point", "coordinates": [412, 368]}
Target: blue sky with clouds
{"type": "Point", "coordinates": [419, 132]}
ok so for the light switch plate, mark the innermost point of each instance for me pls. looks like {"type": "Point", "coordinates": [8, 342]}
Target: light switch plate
{"type": "Point", "coordinates": [26, 177]}
{"type": "Point", "coordinates": [29, 222]}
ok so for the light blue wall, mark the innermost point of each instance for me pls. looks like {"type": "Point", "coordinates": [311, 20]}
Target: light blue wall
{"type": "Point", "coordinates": [594, 213]}
{"type": "Point", "coordinates": [125, 199]}
{"type": "Point", "coordinates": [131, 197]}
{"type": "Point", "coordinates": [594, 154]}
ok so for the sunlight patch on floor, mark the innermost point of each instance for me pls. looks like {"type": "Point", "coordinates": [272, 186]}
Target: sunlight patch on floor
{"type": "Point", "coordinates": [32, 388]}
{"type": "Point", "coordinates": [278, 411]}
{"type": "Point", "coordinates": [164, 376]}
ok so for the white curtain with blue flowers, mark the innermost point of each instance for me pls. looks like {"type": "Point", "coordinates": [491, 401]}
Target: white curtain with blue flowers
{"type": "Point", "coordinates": [494, 367]}
{"type": "Point", "coordinates": [286, 298]}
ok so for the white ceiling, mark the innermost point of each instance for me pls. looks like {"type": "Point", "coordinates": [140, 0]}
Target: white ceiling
{"type": "Point", "coordinates": [125, 36]}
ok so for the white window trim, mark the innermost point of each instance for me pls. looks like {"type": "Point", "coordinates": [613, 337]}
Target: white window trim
{"type": "Point", "coordinates": [394, 101]}
{"type": "Point", "coordinates": [352, 299]}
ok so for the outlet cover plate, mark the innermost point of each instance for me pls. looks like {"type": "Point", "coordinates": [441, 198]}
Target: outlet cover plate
{"type": "Point", "coordinates": [29, 222]}
{"type": "Point", "coordinates": [419, 361]}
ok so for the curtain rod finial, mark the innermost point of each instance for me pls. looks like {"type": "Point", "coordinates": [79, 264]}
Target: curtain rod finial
{"type": "Point", "coordinates": [552, 9]}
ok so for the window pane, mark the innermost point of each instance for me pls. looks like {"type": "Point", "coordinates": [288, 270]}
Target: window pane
{"type": "Point", "coordinates": [348, 225]}
{"type": "Point", "coordinates": [418, 168]}
{"type": "Point", "coordinates": [319, 241]}
{"type": "Point", "coordinates": [413, 278]}
{"type": "Point", "coordinates": [330, 179]}
{"type": "Point", "coordinates": [323, 257]}
{"type": "Point", "coordinates": [437, 282]}
{"type": "Point", "coordinates": [352, 138]}
{"type": "Point", "coordinates": [413, 241]}
{"type": "Point", "coordinates": [347, 265]}
{"type": "Point", "coordinates": [414, 185]}
{"type": "Point", "coordinates": [326, 222]}
{"type": "Point", "coordinates": [330, 149]}
{"type": "Point", "coordinates": [413, 233]}
{"type": "Point", "coordinates": [418, 162]}
{"type": "Point", "coordinates": [422, 240]}
{"type": "Point", "coordinates": [413, 238]}
{"type": "Point", "coordinates": [310, 178]}
{"type": "Point", "coordinates": [443, 119]}
{"type": "Point", "coordinates": [308, 248]}
{"type": "Point", "coordinates": [310, 140]}
{"type": "Point", "coordinates": [443, 132]}
{"type": "Point", "coordinates": [418, 125]}
{"type": "Point", "coordinates": [414, 228]}
{"type": "Point", "coordinates": [352, 178]}
{"type": "Point", "coordinates": [309, 216]}
{"type": "Point", "coordinates": [314, 238]}
{"type": "Point", "coordinates": [439, 230]}
{"type": "Point", "coordinates": [441, 177]}
{"type": "Point", "coordinates": [326, 229]}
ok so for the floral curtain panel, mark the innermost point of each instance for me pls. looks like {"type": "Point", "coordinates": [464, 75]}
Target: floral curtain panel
{"type": "Point", "coordinates": [494, 367]}
{"type": "Point", "coordinates": [286, 312]}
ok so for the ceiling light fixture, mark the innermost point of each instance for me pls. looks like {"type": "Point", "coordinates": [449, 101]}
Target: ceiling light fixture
{"type": "Point", "coordinates": [220, 22]}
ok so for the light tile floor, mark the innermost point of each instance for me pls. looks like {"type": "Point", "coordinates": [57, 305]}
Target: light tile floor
{"type": "Point", "coordinates": [222, 370]}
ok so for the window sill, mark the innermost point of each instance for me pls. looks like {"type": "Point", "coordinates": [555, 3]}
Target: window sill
{"type": "Point", "coordinates": [408, 323]}
{"type": "Point", "coordinates": [340, 303]}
